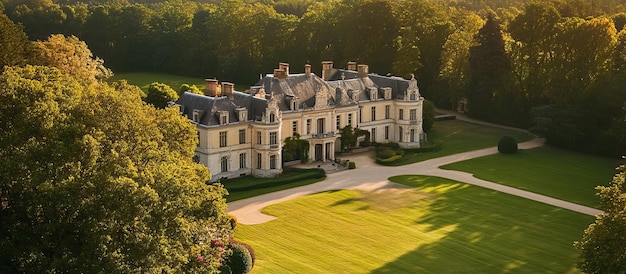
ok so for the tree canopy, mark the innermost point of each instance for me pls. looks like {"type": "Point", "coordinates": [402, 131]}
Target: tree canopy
{"type": "Point", "coordinates": [603, 245]}
{"type": "Point", "coordinates": [96, 180]}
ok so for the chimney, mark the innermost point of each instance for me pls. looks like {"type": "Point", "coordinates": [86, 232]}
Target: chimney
{"type": "Point", "coordinates": [284, 67]}
{"type": "Point", "coordinates": [362, 71]}
{"type": "Point", "coordinates": [227, 89]}
{"type": "Point", "coordinates": [279, 74]}
{"type": "Point", "coordinates": [307, 70]}
{"type": "Point", "coordinates": [327, 67]}
{"type": "Point", "coordinates": [211, 87]}
{"type": "Point", "coordinates": [352, 65]}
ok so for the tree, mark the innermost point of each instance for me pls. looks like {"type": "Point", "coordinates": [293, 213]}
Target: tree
{"type": "Point", "coordinates": [15, 48]}
{"type": "Point", "coordinates": [490, 70]}
{"type": "Point", "coordinates": [603, 245]}
{"type": "Point", "coordinates": [348, 139]}
{"type": "Point", "coordinates": [94, 180]}
{"type": "Point", "coordinates": [189, 88]}
{"type": "Point", "coordinates": [71, 56]}
{"type": "Point", "coordinates": [428, 115]}
{"type": "Point", "coordinates": [160, 95]}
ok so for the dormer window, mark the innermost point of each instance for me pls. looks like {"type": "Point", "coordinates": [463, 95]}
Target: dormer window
{"type": "Point", "coordinates": [223, 117]}
{"type": "Point", "coordinates": [272, 117]}
{"type": "Point", "coordinates": [373, 94]}
{"type": "Point", "coordinates": [412, 96]}
{"type": "Point", "coordinates": [181, 108]}
{"type": "Point", "coordinates": [242, 113]}
{"type": "Point", "coordinates": [196, 115]}
{"type": "Point", "coordinates": [387, 93]}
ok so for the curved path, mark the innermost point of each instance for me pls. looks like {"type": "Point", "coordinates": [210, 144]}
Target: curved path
{"type": "Point", "coordinates": [371, 176]}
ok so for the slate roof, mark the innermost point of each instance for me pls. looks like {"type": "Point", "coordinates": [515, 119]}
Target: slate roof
{"type": "Point", "coordinates": [303, 87]}
{"type": "Point", "coordinates": [211, 106]}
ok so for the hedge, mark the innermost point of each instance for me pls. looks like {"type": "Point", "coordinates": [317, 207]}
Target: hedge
{"type": "Point", "coordinates": [391, 159]}
{"type": "Point", "coordinates": [314, 173]}
{"type": "Point", "coordinates": [426, 148]}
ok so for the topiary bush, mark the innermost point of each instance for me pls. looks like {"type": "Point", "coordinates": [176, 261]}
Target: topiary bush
{"type": "Point", "coordinates": [240, 261]}
{"type": "Point", "coordinates": [507, 145]}
{"type": "Point", "coordinates": [351, 165]}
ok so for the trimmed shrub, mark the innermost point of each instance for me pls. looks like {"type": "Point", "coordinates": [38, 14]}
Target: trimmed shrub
{"type": "Point", "coordinates": [507, 145]}
{"type": "Point", "coordinates": [384, 152]}
{"type": "Point", "coordinates": [426, 148]}
{"type": "Point", "coordinates": [391, 159]}
{"type": "Point", "coordinates": [240, 261]}
{"type": "Point", "coordinates": [351, 165]}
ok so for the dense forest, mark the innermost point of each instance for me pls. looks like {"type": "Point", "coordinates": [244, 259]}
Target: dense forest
{"type": "Point", "coordinates": [556, 67]}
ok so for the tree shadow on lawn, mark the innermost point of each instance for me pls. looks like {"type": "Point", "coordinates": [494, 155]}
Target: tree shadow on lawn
{"type": "Point", "coordinates": [493, 232]}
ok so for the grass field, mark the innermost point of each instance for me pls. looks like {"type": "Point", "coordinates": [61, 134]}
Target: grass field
{"type": "Point", "coordinates": [435, 226]}
{"type": "Point", "coordinates": [561, 174]}
{"type": "Point", "coordinates": [458, 136]}
{"type": "Point", "coordinates": [144, 79]}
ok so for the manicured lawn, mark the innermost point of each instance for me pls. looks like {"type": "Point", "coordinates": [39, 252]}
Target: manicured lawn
{"type": "Point", "coordinates": [144, 79]}
{"type": "Point", "coordinates": [248, 186]}
{"type": "Point", "coordinates": [458, 136]}
{"type": "Point", "coordinates": [546, 170]}
{"type": "Point", "coordinates": [435, 226]}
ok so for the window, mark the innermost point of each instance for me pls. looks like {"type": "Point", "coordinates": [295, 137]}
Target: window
{"type": "Point", "coordinates": [242, 136]}
{"type": "Point", "coordinates": [387, 110]}
{"type": "Point", "coordinates": [373, 113]}
{"type": "Point", "coordinates": [273, 138]}
{"type": "Point", "coordinates": [242, 160]}
{"type": "Point", "coordinates": [320, 125]}
{"type": "Point", "coordinates": [294, 127]}
{"type": "Point", "coordinates": [412, 135]}
{"type": "Point", "coordinates": [413, 115]}
{"type": "Point", "coordinates": [350, 119]}
{"type": "Point", "coordinates": [259, 158]}
{"type": "Point", "coordinates": [400, 134]}
{"type": "Point", "coordinates": [224, 119]}
{"type": "Point", "coordinates": [308, 126]}
{"type": "Point", "coordinates": [401, 114]}
{"type": "Point", "coordinates": [386, 132]}
{"type": "Point", "coordinates": [338, 122]}
{"type": "Point", "coordinates": [272, 117]}
{"type": "Point", "coordinates": [273, 162]}
{"type": "Point", "coordinates": [258, 137]}
{"type": "Point", "coordinates": [373, 95]}
{"type": "Point", "coordinates": [412, 96]}
{"type": "Point", "coordinates": [224, 164]}
{"type": "Point", "coordinates": [196, 116]}
{"type": "Point", "coordinates": [198, 135]}
{"type": "Point", "coordinates": [373, 137]}
{"type": "Point", "coordinates": [360, 115]}
{"type": "Point", "coordinates": [222, 138]}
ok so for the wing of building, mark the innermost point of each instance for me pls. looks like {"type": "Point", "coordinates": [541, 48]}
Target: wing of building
{"type": "Point", "coordinates": [242, 133]}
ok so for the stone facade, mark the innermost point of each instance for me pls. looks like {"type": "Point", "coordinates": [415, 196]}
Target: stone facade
{"type": "Point", "coordinates": [242, 133]}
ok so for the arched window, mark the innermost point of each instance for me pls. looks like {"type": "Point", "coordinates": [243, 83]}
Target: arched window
{"type": "Point", "coordinates": [224, 164]}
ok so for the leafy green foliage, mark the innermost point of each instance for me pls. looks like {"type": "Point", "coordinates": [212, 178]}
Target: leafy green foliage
{"type": "Point", "coordinates": [348, 139]}
{"type": "Point", "coordinates": [159, 95]}
{"type": "Point", "coordinates": [296, 148]}
{"type": "Point", "coordinates": [15, 49]}
{"type": "Point", "coordinates": [602, 246]}
{"type": "Point", "coordinates": [189, 88]}
{"type": "Point", "coordinates": [71, 56]}
{"type": "Point", "coordinates": [95, 180]}
{"type": "Point", "coordinates": [507, 145]}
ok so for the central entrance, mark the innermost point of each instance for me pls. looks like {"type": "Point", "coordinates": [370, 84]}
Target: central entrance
{"type": "Point", "coordinates": [318, 152]}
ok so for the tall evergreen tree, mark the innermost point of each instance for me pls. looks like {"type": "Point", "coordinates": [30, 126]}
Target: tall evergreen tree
{"type": "Point", "coordinates": [490, 70]}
